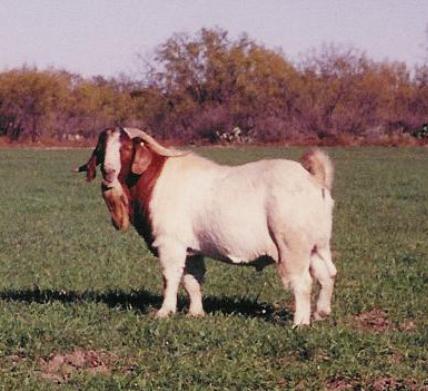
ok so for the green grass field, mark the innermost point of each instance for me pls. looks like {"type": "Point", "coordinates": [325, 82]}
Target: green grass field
{"type": "Point", "coordinates": [77, 298]}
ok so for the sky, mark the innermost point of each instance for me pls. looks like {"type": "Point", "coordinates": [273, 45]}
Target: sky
{"type": "Point", "coordinates": [105, 37]}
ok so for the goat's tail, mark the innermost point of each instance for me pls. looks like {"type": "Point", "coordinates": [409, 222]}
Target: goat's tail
{"type": "Point", "coordinates": [320, 166]}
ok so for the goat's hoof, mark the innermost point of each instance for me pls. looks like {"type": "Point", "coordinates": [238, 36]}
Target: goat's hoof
{"type": "Point", "coordinates": [300, 326]}
{"type": "Point", "coordinates": [163, 313]}
{"type": "Point", "coordinates": [196, 314]}
{"type": "Point", "coordinates": [301, 323]}
{"type": "Point", "coordinates": [321, 315]}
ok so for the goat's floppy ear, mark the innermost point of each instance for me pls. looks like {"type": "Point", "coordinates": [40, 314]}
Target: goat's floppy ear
{"type": "Point", "coordinates": [142, 157]}
{"type": "Point", "coordinates": [97, 157]}
{"type": "Point", "coordinates": [91, 168]}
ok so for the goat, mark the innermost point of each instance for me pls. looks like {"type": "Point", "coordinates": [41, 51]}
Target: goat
{"type": "Point", "coordinates": [187, 207]}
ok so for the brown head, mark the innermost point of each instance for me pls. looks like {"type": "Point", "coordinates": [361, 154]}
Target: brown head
{"type": "Point", "coordinates": [124, 155]}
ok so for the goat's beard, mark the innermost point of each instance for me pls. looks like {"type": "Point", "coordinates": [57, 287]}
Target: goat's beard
{"type": "Point", "coordinates": [117, 204]}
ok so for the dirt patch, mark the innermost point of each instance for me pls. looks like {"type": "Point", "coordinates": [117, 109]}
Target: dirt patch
{"type": "Point", "coordinates": [380, 384]}
{"type": "Point", "coordinates": [390, 383]}
{"type": "Point", "coordinates": [59, 367]}
{"type": "Point", "coordinates": [339, 385]}
{"type": "Point", "coordinates": [374, 320]}
{"type": "Point", "coordinates": [407, 325]}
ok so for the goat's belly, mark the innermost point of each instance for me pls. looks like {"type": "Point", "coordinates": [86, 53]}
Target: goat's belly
{"type": "Point", "coordinates": [242, 246]}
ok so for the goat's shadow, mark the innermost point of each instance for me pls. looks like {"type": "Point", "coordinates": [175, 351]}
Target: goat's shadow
{"type": "Point", "coordinates": [145, 302]}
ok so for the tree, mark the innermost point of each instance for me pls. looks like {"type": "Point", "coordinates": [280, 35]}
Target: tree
{"type": "Point", "coordinates": [27, 99]}
{"type": "Point", "coordinates": [208, 83]}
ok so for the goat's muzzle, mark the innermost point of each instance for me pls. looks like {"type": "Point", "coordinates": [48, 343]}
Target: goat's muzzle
{"type": "Point", "coordinates": [117, 204]}
{"type": "Point", "coordinates": [109, 174]}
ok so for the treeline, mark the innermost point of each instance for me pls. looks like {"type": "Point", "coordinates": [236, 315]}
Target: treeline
{"type": "Point", "coordinates": [210, 88]}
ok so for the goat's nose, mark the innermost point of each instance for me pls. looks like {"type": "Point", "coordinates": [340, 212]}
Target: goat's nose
{"type": "Point", "coordinates": [108, 168]}
{"type": "Point", "coordinates": [108, 173]}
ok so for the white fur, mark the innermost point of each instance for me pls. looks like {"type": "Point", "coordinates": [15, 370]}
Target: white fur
{"type": "Point", "coordinates": [238, 214]}
{"type": "Point", "coordinates": [112, 164]}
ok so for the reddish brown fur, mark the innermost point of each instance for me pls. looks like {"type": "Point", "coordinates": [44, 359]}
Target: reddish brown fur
{"type": "Point", "coordinates": [139, 188]}
{"type": "Point", "coordinates": [118, 205]}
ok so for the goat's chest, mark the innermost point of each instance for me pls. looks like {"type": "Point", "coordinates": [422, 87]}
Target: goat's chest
{"type": "Point", "coordinates": [141, 220]}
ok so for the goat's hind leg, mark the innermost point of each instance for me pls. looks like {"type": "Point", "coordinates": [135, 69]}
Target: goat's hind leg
{"type": "Point", "coordinates": [192, 280]}
{"type": "Point", "coordinates": [324, 271]}
{"type": "Point", "coordinates": [293, 268]}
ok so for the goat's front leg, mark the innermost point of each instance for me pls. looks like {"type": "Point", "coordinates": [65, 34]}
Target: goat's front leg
{"type": "Point", "coordinates": [172, 259]}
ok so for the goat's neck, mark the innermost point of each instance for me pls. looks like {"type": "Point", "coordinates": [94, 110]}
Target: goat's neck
{"type": "Point", "coordinates": [139, 190]}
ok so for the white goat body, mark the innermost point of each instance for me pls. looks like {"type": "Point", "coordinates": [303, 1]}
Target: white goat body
{"type": "Point", "coordinates": [229, 212]}
{"type": "Point", "coordinates": [279, 210]}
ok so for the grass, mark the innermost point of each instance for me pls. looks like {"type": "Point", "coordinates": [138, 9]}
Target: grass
{"type": "Point", "coordinates": [70, 282]}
